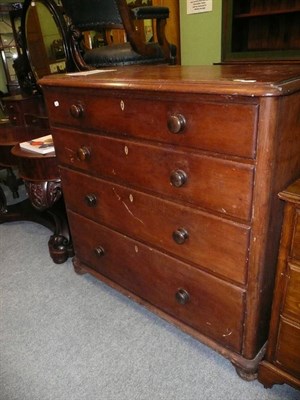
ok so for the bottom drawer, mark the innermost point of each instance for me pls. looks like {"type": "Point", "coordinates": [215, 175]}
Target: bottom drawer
{"type": "Point", "coordinates": [213, 307]}
{"type": "Point", "coordinates": [288, 345]}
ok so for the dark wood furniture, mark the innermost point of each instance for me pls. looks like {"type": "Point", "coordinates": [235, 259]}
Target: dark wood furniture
{"type": "Point", "coordinates": [170, 176]}
{"type": "Point", "coordinates": [13, 129]}
{"type": "Point", "coordinates": [26, 120]}
{"type": "Point", "coordinates": [282, 361]}
{"type": "Point", "coordinates": [256, 30]}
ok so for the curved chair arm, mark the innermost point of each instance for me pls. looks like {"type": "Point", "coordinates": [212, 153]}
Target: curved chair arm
{"type": "Point", "coordinates": [74, 39]}
{"type": "Point", "coordinates": [150, 12]}
{"type": "Point", "coordinates": [147, 12]}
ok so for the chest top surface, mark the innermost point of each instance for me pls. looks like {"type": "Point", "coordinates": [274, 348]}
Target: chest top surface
{"type": "Point", "coordinates": [251, 80]}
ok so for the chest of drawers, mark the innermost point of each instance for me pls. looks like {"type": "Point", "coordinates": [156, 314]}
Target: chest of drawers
{"type": "Point", "coordinates": [170, 176]}
{"type": "Point", "coordinates": [282, 361]}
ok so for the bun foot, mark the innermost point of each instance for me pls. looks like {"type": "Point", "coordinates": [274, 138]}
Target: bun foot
{"type": "Point", "coordinates": [78, 267]}
{"type": "Point", "coordinates": [246, 375]}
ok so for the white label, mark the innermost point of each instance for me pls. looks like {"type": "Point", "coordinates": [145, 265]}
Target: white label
{"type": "Point", "coordinates": [198, 6]}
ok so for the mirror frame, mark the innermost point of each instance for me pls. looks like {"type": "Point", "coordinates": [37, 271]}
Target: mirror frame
{"type": "Point", "coordinates": [60, 21]}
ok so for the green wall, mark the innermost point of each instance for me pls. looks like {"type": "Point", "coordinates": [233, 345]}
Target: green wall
{"type": "Point", "coordinates": [200, 35]}
{"type": "Point", "coordinates": [3, 86]}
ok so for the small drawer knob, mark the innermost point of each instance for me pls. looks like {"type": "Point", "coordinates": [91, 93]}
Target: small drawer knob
{"type": "Point", "coordinates": [176, 123]}
{"type": "Point", "coordinates": [76, 110]}
{"type": "Point", "coordinates": [182, 296]}
{"type": "Point", "coordinates": [91, 200]}
{"type": "Point", "coordinates": [178, 178]}
{"type": "Point", "coordinates": [99, 251]}
{"type": "Point", "coordinates": [83, 153]}
{"type": "Point", "coordinates": [180, 235]}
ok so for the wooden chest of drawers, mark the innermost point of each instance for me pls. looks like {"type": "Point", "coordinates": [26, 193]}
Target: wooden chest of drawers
{"type": "Point", "coordinates": [170, 176]}
{"type": "Point", "coordinates": [282, 362]}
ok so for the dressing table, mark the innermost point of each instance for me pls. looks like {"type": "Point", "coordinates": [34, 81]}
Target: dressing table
{"type": "Point", "coordinates": [170, 177]}
{"type": "Point", "coordinates": [27, 119]}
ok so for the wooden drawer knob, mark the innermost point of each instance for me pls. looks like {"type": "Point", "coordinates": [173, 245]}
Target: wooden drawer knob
{"type": "Point", "coordinates": [76, 110]}
{"type": "Point", "coordinates": [176, 123]}
{"type": "Point", "coordinates": [180, 235]}
{"type": "Point", "coordinates": [99, 251]}
{"type": "Point", "coordinates": [83, 153]}
{"type": "Point", "coordinates": [91, 200]}
{"type": "Point", "coordinates": [182, 296]}
{"type": "Point", "coordinates": [178, 178]}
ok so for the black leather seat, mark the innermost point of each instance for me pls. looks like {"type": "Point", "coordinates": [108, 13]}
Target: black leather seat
{"type": "Point", "coordinates": [103, 15]}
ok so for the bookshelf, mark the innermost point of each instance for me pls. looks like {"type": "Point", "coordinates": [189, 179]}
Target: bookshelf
{"type": "Point", "coordinates": [261, 30]}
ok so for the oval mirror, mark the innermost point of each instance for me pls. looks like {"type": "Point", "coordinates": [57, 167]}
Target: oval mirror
{"type": "Point", "coordinates": [44, 36]}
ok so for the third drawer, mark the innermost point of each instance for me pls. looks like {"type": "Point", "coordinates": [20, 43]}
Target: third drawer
{"type": "Point", "coordinates": [217, 244]}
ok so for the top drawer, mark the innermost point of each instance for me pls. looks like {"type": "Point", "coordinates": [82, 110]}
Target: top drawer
{"type": "Point", "coordinates": [227, 128]}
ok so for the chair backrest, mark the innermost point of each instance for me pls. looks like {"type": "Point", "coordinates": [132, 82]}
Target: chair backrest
{"type": "Point", "coordinates": [100, 15]}
{"type": "Point", "coordinates": [93, 14]}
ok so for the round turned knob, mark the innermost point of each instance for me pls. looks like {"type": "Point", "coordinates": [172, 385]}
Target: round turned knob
{"type": "Point", "coordinates": [180, 235]}
{"type": "Point", "coordinates": [91, 200]}
{"type": "Point", "coordinates": [83, 153]}
{"type": "Point", "coordinates": [76, 110]}
{"type": "Point", "coordinates": [176, 123]}
{"type": "Point", "coordinates": [178, 178]}
{"type": "Point", "coordinates": [99, 251]}
{"type": "Point", "coordinates": [182, 296]}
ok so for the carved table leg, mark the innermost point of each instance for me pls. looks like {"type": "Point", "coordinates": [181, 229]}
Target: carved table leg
{"type": "Point", "coordinates": [46, 197]}
{"type": "Point", "coordinates": [44, 206]}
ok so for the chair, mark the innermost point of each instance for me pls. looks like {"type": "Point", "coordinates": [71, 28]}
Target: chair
{"type": "Point", "coordinates": [103, 15]}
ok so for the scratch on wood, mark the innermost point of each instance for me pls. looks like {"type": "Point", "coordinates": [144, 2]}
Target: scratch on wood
{"type": "Point", "coordinates": [118, 197]}
{"type": "Point", "coordinates": [126, 206]}
{"type": "Point", "coordinates": [131, 213]}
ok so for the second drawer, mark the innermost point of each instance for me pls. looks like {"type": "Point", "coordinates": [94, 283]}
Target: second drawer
{"type": "Point", "coordinates": [217, 184]}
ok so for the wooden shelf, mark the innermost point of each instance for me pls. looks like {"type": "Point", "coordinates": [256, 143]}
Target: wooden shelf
{"type": "Point", "coordinates": [261, 30]}
{"type": "Point", "coordinates": [267, 13]}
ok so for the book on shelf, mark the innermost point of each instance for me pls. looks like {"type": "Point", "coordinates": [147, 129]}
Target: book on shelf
{"type": "Point", "coordinates": [41, 145]}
